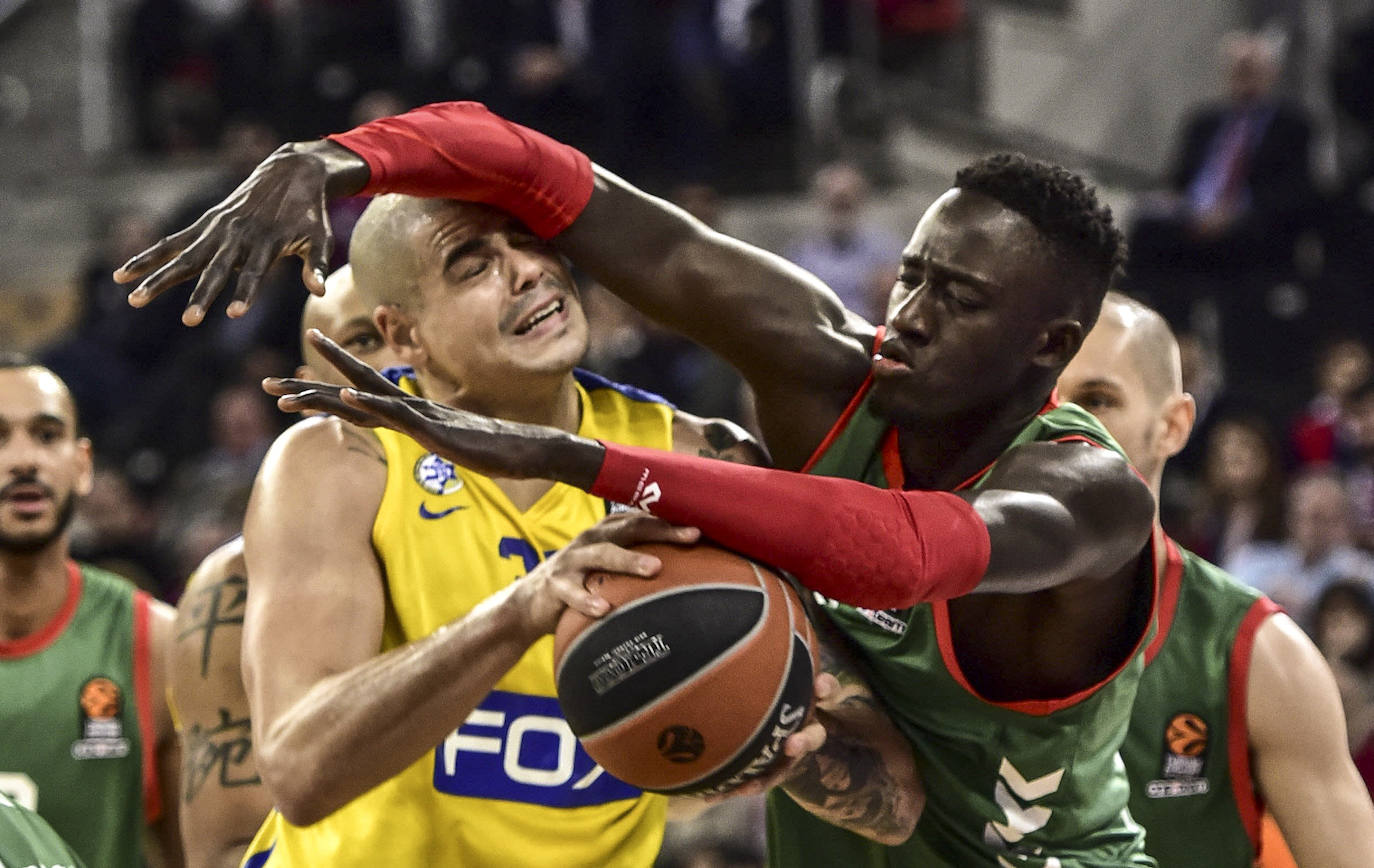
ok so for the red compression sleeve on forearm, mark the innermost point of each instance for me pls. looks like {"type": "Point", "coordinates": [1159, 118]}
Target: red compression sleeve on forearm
{"type": "Point", "coordinates": [460, 150]}
{"type": "Point", "coordinates": [852, 542]}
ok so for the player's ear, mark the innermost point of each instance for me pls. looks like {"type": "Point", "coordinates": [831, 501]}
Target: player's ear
{"type": "Point", "coordinates": [401, 334]}
{"type": "Point", "coordinates": [1058, 343]}
{"type": "Point", "coordinates": [1179, 414]}
{"type": "Point", "coordinates": [85, 477]}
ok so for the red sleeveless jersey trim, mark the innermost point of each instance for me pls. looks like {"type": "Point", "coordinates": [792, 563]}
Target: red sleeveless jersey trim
{"type": "Point", "coordinates": [945, 639]}
{"type": "Point", "coordinates": [48, 633]}
{"type": "Point", "coordinates": [143, 697]}
{"type": "Point", "coordinates": [1248, 803]}
{"type": "Point", "coordinates": [1168, 591]}
{"type": "Point", "coordinates": [848, 414]}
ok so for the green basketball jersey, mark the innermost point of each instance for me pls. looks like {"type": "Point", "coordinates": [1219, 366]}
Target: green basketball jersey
{"type": "Point", "coordinates": [28, 842]}
{"type": "Point", "coordinates": [1037, 784]}
{"type": "Point", "coordinates": [75, 739]}
{"type": "Point", "coordinates": [1186, 752]}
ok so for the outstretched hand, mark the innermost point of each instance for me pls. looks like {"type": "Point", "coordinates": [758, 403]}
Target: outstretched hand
{"type": "Point", "coordinates": [279, 210]}
{"type": "Point", "coordinates": [485, 445]}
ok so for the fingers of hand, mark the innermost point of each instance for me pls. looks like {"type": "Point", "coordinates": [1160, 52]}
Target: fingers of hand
{"type": "Point", "coordinates": [212, 279]}
{"type": "Point", "coordinates": [636, 526]}
{"type": "Point", "coordinates": [359, 374]}
{"type": "Point", "coordinates": [608, 557]}
{"type": "Point", "coordinates": [808, 739]}
{"type": "Point", "coordinates": [825, 689]}
{"type": "Point", "coordinates": [569, 589]}
{"type": "Point", "coordinates": [250, 279]}
{"type": "Point", "coordinates": [154, 257]}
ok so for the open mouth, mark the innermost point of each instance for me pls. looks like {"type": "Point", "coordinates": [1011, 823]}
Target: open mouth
{"type": "Point", "coordinates": [550, 309]}
{"type": "Point", "coordinates": [26, 498]}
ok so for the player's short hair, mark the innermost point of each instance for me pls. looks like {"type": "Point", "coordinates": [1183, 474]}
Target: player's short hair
{"type": "Point", "coordinates": [1059, 204]}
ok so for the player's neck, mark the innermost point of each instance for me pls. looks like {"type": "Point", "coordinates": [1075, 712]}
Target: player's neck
{"type": "Point", "coordinates": [33, 588]}
{"type": "Point", "coordinates": [551, 402]}
{"type": "Point", "coordinates": [940, 455]}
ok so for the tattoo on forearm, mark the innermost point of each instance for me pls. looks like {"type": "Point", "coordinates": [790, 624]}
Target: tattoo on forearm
{"type": "Point", "coordinates": [226, 746]}
{"type": "Point", "coordinates": [219, 605]}
{"type": "Point", "coordinates": [847, 783]}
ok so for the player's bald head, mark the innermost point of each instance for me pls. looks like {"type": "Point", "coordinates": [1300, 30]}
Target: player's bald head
{"type": "Point", "coordinates": [387, 261]}
{"type": "Point", "coordinates": [1149, 342]}
{"type": "Point", "coordinates": [343, 314]}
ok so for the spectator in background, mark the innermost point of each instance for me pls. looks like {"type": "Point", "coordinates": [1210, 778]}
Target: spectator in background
{"type": "Point", "coordinates": [1239, 192]}
{"type": "Point", "coordinates": [1241, 496]}
{"type": "Point", "coordinates": [1343, 628]}
{"type": "Point", "coordinates": [115, 528]}
{"type": "Point", "coordinates": [847, 250]}
{"type": "Point", "coordinates": [208, 495]}
{"type": "Point", "coordinates": [1316, 551]}
{"type": "Point", "coordinates": [1321, 433]}
{"type": "Point", "coordinates": [1360, 463]}
{"type": "Point", "coordinates": [108, 354]}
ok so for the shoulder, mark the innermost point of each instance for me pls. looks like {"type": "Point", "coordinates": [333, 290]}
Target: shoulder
{"type": "Point", "coordinates": [1288, 680]}
{"type": "Point", "coordinates": [716, 438]}
{"type": "Point", "coordinates": [323, 453]}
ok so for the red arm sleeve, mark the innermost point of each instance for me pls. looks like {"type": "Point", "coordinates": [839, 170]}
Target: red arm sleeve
{"type": "Point", "coordinates": [852, 542]}
{"type": "Point", "coordinates": [460, 150]}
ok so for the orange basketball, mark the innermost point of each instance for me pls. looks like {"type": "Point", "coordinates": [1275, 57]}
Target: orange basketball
{"type": "Point", "coordinates": [1186, 735]}
{"type": "Point", "coordinates": [695, 678]}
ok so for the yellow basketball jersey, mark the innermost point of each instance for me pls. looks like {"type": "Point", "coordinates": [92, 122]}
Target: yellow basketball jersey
{"type": "Point", "coordinates": [511, 786]}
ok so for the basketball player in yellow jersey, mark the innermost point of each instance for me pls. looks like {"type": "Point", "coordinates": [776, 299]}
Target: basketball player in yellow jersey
{"type": "Point", "coordinates": [1283, 731]}
{"type": "Point", "coordinates": [400, 678]}
{"type": "Point", "coordinates": [223, 799]}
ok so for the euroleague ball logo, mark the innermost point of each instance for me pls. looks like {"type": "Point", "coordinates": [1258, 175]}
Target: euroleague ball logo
{"type": "Point", "coordinates": [681, 744]}
{"type": "Point", "coordinates": [99, 698]}
{"type": "Point", "coordinates": [1186, 735]}
{"type": "Point", "coordinates": [437, 475]}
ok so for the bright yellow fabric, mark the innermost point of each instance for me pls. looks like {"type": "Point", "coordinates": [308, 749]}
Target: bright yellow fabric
{"type": "Point", "coordinates": [515, 749]}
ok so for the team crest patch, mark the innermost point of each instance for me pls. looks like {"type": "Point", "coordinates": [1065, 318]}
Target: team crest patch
{"type": "Point", "coordinates": [101, 705]}
{"type": "Point", "coordinates": [437, 475]}
{"type": "Point", "coordinates": [1184, 766]}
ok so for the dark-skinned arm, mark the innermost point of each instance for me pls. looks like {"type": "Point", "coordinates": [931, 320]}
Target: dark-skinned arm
{"type": "Point", "coordinates": [1049, 514]}
{"type": "Point", "coordinates": [790, 337]}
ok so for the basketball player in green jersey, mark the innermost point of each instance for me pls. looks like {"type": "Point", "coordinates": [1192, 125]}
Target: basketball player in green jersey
{"type": "Point", "coordinates": [86, 739]}
{"type": "Point", "coordinates": [223, 799]}
{"type": "Point", "coordinates": [1012, 660]}
{"type": "Point", "coordinates": [26, 840]}
{"type": "Point", "coordinates": [1237, 710]}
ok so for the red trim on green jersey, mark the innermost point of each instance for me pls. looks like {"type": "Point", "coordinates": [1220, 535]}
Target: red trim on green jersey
{"type": "Point", "coordinates": [1248, 802]}
{"type": "Point", "coordinates": [848, 414]}
{"type": "Point", "coordinates": [944, 637]}
{"type": "Point", "coordinates": [49, 632]}
{"type": "Point", "coordinates": [143, 697]}
{"type": "Point", "coordinates": [1168, 592]}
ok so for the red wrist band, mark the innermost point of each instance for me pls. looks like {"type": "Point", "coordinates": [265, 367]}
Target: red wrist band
{"type": "Point", "coordinates": [852, 542]}
{"type": "Point", "coordinates": [460, 150]}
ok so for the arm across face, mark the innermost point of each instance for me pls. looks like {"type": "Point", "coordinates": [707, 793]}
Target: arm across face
{"type": "Point", "coordinates": [788, 334]}
{"type": "Point", "coordinates": [1051, 513]}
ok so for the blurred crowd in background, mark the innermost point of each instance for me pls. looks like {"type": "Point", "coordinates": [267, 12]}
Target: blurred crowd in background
{"type": "Point", "coordinates": [1263, 268]}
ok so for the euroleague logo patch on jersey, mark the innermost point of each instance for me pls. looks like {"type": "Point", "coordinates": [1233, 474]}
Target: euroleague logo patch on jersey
{"type": "Point", "coordinates": [437, 475]}
{"type": "Point", "coordinates": [101, 705]}
{"type": "Point", "coordinates": [1184, 766]}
